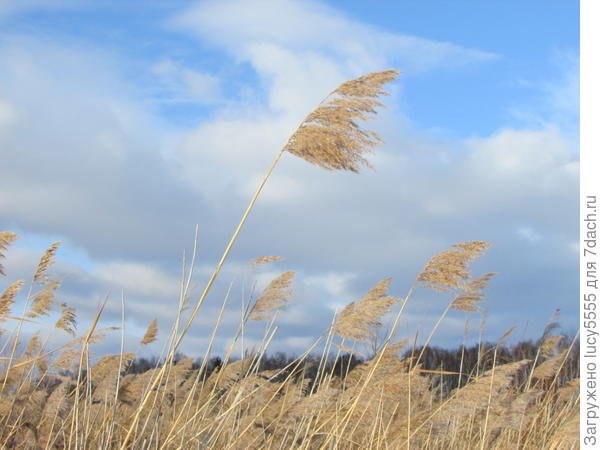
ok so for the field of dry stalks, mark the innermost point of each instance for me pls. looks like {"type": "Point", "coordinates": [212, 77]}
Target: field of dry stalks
{"type": "Point", "coordinates": [62, 396]}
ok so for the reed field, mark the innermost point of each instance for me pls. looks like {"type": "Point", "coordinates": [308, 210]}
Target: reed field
{"type": "Point", "coordinates": [360, 385]}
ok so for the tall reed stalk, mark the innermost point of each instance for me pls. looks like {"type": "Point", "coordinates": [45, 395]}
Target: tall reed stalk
{"type": "Point", "coordinates": [329, 137]}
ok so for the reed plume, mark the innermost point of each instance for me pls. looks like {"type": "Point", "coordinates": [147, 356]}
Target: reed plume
{"type": "Point", "coordinates": [6, 238]}
{"type": "Point", "coordinates": [450, 269]}
{"type": "Point", "coordinates": [274, 297]}
{"type": "Point", "coordinates": [343, 150]}
{"type": "Point", "coordinates": [7, 298]}
{"type": "Point", "coordinates": [42, 301]}
{"type": "Point", "coordinates": [359, 320]}
{"type": "Point", "coordinates": [474, 397]}
{"type": "Point", "coordinates": [46, 261]}
{"type": "Point", "coordinates": [550, 344]}
{"type": "Point", "coordinates": [549, 368]}
{"type": "Point", "coordinates": [468, 300]}
{"type": "Point", "coordinates": [151, 333]}
{"type": "Point", "coordinates": [330, 136]}
{"type": "Point", "coordinates": [261, 260]}
{"type": "Point", "coordinates": [67, 320]}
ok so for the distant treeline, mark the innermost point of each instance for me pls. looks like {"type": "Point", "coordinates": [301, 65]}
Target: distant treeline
{"type": "Point", "coordinates": [469, 361]}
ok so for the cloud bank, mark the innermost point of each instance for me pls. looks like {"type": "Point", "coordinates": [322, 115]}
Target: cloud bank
{"type": "Point", "coordinates": [90, 159]}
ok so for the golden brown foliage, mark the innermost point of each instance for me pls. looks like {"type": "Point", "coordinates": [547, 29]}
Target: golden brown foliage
{"type": "Point", "coordinates": [359, 320]}
{"type": "Point", "coordinates": [7, 298]}
{"type": "Point", "coordinates": [46, 261]}
{"type": "Point", "coordinates": [67, 320]}
{"type": "Point", "coordinates": [330, 136]}
{"type": "Point", "coordinates": [151, 333]}
{"type": "Point", "coordinates": [274, 297]}
{"type": "Point", "coordinates": [450, 269]}
{"type": "Point", "coordinates": [56, 398]}
{"type": "Point", "coordinates": [42, 301]}
{"type": "Point", "coordinates": [265, 260]}
{"type": "Point", "coordinates": [472, 294]}
{"type": "Point", "coordinates": [6, 238]}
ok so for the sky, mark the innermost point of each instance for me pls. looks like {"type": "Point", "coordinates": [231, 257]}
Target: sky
{"type": "Point", "coordinates": [123, 125]}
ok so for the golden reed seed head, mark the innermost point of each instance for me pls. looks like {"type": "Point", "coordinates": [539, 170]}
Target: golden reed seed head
{"type": "Point", "coordinates": [265, 260]}
{"type": "Point", "coordinates": [330, 137]}
{"type": "Point", "coordinates": [550, 367]}
{"type": "Point", "coordinates": [46, 261]}
{"type": "Point", "coordinates": [33, 346]}
{"type": "Point", "coordinates": [42, 301]}
{"type": "Point", "coordinates": [358, 320]}
{"type": "Point", "coordinates": [450, 269]}
{"type": "Point", "coordinates": [468, 300]}
{"type": "Point", "coordinates": [6, 238]}
{"type": "Point", "coordinates": [151, 333]}
{"type": "Point", "coordinates": [274, 297]}
{"type": "Point", "coordinates": [550, 344]}
{"type": "Point", "coordinates": [7, 298]}
{"type": "Point", "coordinates": [67, 320]}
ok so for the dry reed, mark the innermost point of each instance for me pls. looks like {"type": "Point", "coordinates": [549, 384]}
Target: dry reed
{"type": "Point", "coordinates": [55, 397]}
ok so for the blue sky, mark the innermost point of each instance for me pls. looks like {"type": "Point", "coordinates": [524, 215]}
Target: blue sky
{"type": "Point", "coordinates": [124, 126]}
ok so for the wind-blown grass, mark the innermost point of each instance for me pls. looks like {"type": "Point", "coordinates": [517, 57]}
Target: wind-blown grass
{"type": "Point", "coordinates": [61, 396]}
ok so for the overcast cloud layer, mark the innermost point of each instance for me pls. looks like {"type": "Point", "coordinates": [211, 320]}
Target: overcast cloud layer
{"type": "Point", "coordinates": [93, 154]}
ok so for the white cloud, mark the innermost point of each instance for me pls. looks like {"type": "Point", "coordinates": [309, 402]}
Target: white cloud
{"type": "Point", "coordinates": [517, 170]}
{"type": "Point", "coordinates": [521, 154]}
{"type": "Point", "coordinates": [528, 234]}
{"type": "Point", "coordinates": [8, 116]}
{"type": "Point", "coordinates": [333, 283]}
{"type": "Point", "coordinates": [139, 279]}
{"type": "Point", "coordinates": [241, 25]}
{"type": "Point", "coordinates": [187, 85]}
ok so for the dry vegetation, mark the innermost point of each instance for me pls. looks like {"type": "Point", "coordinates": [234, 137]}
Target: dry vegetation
{"type": "Point", "coordinates": [62, 396]}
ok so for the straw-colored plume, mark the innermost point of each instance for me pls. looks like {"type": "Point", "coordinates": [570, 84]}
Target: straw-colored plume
{"type": "Point", "coordinates": [151, 333]}
{"type": "Point", "coordinates": [570, 391]}
{"type": "Point", "coordinates": [265, 260]}
{"type": "Point", "coordinates": [330, 136]}
{"type": "Point", "coordinates": [105, 373]}
{"type": "Point", "coordinates": [274, 297]}
{"type": "Point", "coordinates": [359, 320]}
{"type": "Point", "coordinates": [512, 411]}
{"type": "Point", "coordinates": [42, 301]}
{"type": "Point", "coordinates": [468, 300]}
{"type": "Point", "coordinates": [33, 346]}
{"type": "Point", "coordinates": [473, 398]}
{"type": "Point", "coordinates": [46, 261]}
{"type": "Point", "coordinates": [550, 344]}
{"type": "Point", "coordinates": [450, 269]}
{"type": "Point", "coordinates": [7, 298]}
{"type": "Point", "coordinates": [67, 320]}
{"type": "Point", "coordinates": [550, 367]}
{"type": "Point", "coordinates": [6, 238]}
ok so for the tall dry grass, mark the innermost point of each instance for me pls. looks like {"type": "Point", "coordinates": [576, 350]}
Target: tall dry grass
{"type": "Point", "coordinates": [62, 396]}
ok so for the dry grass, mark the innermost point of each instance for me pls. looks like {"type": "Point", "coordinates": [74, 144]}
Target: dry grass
{"type": "Point", "coordinates": [62, 396]}
{"type": "Point", "coordinates": [387, 401]}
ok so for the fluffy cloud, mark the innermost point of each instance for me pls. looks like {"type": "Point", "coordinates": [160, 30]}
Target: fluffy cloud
{"type": "Point", "coordinates": [187, 85]}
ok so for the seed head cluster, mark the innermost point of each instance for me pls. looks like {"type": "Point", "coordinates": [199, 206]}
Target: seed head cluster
{"type": "Point", "coordinates": [330, 136]}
